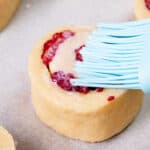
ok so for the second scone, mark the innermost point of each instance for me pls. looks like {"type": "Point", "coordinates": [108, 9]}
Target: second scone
{"type": "Point", "coordinates": [6, 140]}
{"type": "Point", "coordinates": [7, 10]}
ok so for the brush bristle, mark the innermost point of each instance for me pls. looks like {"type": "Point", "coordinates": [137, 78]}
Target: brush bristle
{"type": "Point", "coordinates": [112, 56]}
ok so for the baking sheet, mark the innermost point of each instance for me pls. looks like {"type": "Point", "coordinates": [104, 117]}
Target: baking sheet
{"type": "Point", "coordinates": [34, 19]}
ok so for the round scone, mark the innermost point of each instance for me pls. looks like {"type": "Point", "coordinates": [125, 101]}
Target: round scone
{"type": "Point", "coordinates": [6, 140]}
{"type": "Point", "coordinates": [85, 113]}
{"type": "Point", "coordinates": [7, 10]}
{"type": "Point", "coordinates": [142, 9]}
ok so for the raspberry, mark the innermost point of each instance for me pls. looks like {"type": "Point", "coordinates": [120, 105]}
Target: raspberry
{"type": "Point", "coordinates": [147, 3]}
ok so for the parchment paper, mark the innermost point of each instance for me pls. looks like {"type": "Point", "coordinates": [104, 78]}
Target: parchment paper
{"type": "Point", "coordinates": [34, 19]}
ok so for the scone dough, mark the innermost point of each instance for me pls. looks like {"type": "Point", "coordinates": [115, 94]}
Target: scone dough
{"type": "Point", "coordinates": [141, 11]}
{"type": "Point", "coordinates": [88, 117]}
{"type": "Point", "coordinates": [6, 140]}
{"type": "Point", "coordinates": [7, 10]}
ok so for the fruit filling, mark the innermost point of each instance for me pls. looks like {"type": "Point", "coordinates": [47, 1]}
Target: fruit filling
{"type": "Point", "coordinates": [77, 53]}
{"type": "Point", "coordinates": [63, 81]}
{"type": "Point", "coordinates": [58, 76]}
{"type": "Point", "coordinates": [50, 47]}
{"type": "Point", "coordinates": [147, 3]}
{"type": "Point", "coordinates": [111, 98]}
{"type": "Point", "coordinates": [49, 51]}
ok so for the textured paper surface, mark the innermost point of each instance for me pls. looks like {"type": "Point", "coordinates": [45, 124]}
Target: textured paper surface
{"type": "Point", "coordinates": [34, 19]}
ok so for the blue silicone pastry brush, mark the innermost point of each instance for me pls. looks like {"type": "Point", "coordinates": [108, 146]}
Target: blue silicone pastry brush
{"type": "Point", "coordinates": [116, 56]}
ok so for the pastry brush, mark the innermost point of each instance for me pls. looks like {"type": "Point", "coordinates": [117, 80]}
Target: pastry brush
{"type": "Point", "coordinates": [116, 55]}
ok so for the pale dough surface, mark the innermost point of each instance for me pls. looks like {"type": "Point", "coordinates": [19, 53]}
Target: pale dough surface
{"type": "Point", "coordinates": [6, 140]}
{"type": "Point", "coordinates": [141, 11]}
{"type": "Point", "coordinates": [87, 117]}
{"type": "Point", "coordinates": [7, 10]}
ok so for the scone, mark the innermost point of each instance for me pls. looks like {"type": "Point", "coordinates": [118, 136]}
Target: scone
{"type": "Point", "coordinates": [85, 113]}
{"type": "Point", "coordinates": [6, 140]}
{"type": "Point", "coordinates": [142, 9]}
{"type": "Point", "coordinates": [7, 10]}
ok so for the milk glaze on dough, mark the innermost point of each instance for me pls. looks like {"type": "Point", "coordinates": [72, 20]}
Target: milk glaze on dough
{"type": "Point", "coordinates": [92, 116]}
{"type": "Point", "coordinates": [6, 140]}
{"type": "Point", "coordinates": [142, 9]}
{"type": "Point", "coordinates": [7, 10]}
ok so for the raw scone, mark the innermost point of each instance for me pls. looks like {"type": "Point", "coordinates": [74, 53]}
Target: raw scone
{"type": "Point", "coordinates": [6, 140]}
{"type": "Point", "coordinates": [84, 113]}
{"type": "Point", "coordinates": [142, 9]}
{"type": "Point", "coordinates": [7, 10]}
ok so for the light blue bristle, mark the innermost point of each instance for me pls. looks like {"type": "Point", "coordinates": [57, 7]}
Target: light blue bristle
{"type": "Point", "coordinates": [112, 56]}
{"type": "Point", "coordinates": [124, 25]}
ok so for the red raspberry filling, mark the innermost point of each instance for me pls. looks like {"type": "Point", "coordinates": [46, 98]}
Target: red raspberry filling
{"type": "Point", "coordinates": [99, 89]}
{"type": "Point", "coordinates": [147, 3]}
{"type": "Point", "coordinates": [110, 98]}
{"type": "Point", "coordinates": [63, 81]}
{"type": "Point", "coordinates": [50, 48]}
{"type": "Point", "coordinates": [77, 53]}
